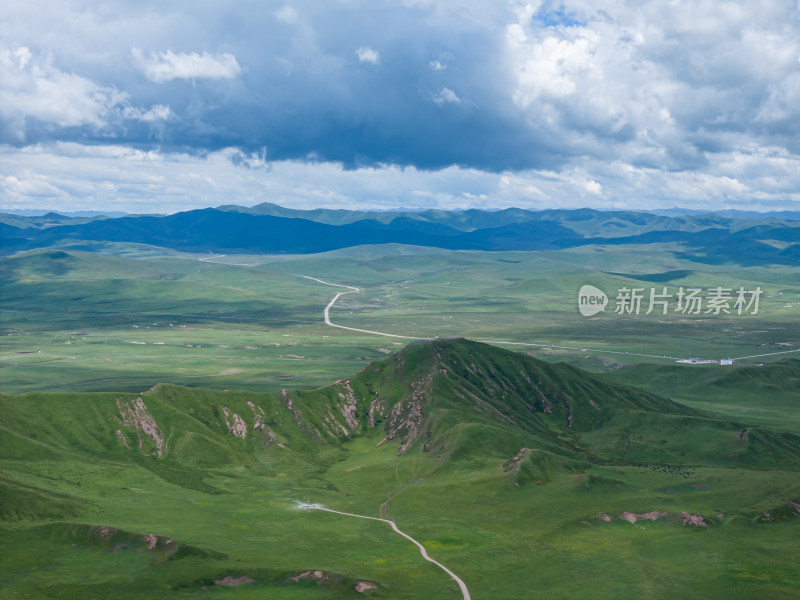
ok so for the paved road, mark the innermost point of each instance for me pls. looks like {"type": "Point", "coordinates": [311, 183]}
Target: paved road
{"type": "Point", "coordinates": [422, 550]}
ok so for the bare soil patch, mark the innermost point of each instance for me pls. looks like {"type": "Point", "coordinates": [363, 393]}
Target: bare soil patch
{"type": "Point", "coordinates": [633, 517]}
{"type": "Point", "coordinates": [231, 581]}
{"type": "Point", "coordinates": [362, 585]}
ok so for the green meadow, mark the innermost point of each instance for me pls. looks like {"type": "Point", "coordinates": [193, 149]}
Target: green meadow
{"type": "Point", "coordinates": [511, 498]}
{"type": "Point", "coordinates": [81, 321]}
{"type": "Point", "coordinates": [78, 502]}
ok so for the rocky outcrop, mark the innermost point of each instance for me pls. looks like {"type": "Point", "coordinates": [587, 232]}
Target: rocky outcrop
{"type": "Point", "coordinates": [320, 577]}
{"type": "Point", "coordinates": [122, 438]}
{"type": "Point", "coordinates": [377, 411]}
{"type": "Point", "coordinates": [406, 418]}
{"type": "Point", "coordinates": [693, 520]}
{"type": "Point", "coordinates": [512, 465]}
{"type": "Point", "coordinates": [135, 415]}
{"type": "Point", "coordinates": [348, 405]}
{"type": "Point", "coordinates": [287, 400]}
{"type": "Point", "coordinates": [239, 427]}
{"type": "Point", "coordinates": [259, 416]}
{"type": "Point", "coordinates": [548, 408]}
{"type": "Point", "coordinates": [333, 425]}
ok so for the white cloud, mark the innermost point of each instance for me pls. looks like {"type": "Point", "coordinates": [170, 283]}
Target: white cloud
{"type": "Point", "coordinates": [156, 113]}
{"type": "Point", "coordinates": [32, 87]}
{"type": "Point", "coordinates": [368, 55]}
{"type": "Point", "coordinates": [70, 176]}
{"type": "Point", "coordinates": [34, 93]}
{"type": "Point", "coordinates": [610, 102]}
{"type": "Point", "coordinates": [446, 96]}
{"type": "Point", "coordinates": [550, 67]}
{"type": "Point", "coordinates": [653, 83]}
{"type": "Point", "coordinates": [169, 65]}
{"type": "Point", "coordinates": [29, 188]}
{"type": "Point", "coordinates": [592, 187]}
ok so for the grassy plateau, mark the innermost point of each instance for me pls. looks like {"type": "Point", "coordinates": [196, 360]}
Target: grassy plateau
{"type": "Point", "coordinates": [164, 417]}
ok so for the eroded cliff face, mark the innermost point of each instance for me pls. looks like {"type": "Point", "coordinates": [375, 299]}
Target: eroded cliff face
{"type": "Point", "coordinates": [135, 416]}
{"type": "Point", "coordinates": [238, 428]}
{"type": "Point", "coordinates": [377, 411]}
{"type": "Point", "coordinates": [348, 405]}
{"type": "Point", "coordinates": [259, 416]}
{"type": "Point", "coordinates": [407, 417]}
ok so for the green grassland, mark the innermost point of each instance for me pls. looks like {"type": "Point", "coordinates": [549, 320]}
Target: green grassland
{"type": "Point", "coordinates": [84, 321]}
{"type": "Point", "coordinates": [78, 501]}
{"type": "Point", "coordinates": [95, 323]}
{"type": "Point", "coordinates": [764, 395]}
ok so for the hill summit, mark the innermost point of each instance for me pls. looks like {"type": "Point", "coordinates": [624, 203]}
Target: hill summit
{"type": "Point", "coordinates": [450, 397]}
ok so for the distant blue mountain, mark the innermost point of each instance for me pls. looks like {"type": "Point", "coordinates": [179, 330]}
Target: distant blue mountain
{"type": "Point", "coordinates": [706, 238]}
{"type": "Point", "coordinates": [38, 212]}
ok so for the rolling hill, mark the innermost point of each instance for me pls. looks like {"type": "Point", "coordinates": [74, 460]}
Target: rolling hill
{"type": "Point", "coordinates": [420, 397]}
{"type": "Point", "coordinates": [177, 492]}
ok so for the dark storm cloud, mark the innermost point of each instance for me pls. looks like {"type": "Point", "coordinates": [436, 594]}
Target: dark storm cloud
{"type": "Point", "coordinates": [635, 89]}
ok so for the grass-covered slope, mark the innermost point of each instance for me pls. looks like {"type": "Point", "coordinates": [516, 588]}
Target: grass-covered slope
{"type": "Point", "coordinates": [424, 397]}
{"type": "Point", "coordinates": [767, 395]}
{"type": "Point", "coordinates": [494, 460]}
{"type": "Point", "coordinates": [514, 396]}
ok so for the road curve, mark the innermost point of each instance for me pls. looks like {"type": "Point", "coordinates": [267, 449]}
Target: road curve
{"type": "Point", "coordinates": [353, 290]}
{"type": "Point", "coordinates": [456, 578]}
{"type": "Point", "coordinates": [538, 345]}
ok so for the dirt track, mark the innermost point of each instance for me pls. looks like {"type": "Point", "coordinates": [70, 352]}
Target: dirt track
{"type": "Point", "coordinates": [422, 550]}
{"type": "Point", "coordinates": [353, 290]}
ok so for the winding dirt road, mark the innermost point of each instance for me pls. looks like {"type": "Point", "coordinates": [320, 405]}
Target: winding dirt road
{"type": "Point", "coordinates": [456, 578]}
{"type": "Point", "coordinates": [354, 290]}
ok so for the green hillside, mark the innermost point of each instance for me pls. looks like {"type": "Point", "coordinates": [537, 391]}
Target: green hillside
{"type": "Point", "coordinates": [761, 395]}
{"type": "Point", "coordinates": [474, 450]}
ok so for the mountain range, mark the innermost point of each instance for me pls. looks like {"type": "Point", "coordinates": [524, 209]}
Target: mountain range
{"type": "Point", "coordinates": [269, 228]}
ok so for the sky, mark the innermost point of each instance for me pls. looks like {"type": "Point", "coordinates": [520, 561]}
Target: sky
{"type": "Point", "coordinates": [157, 107]}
